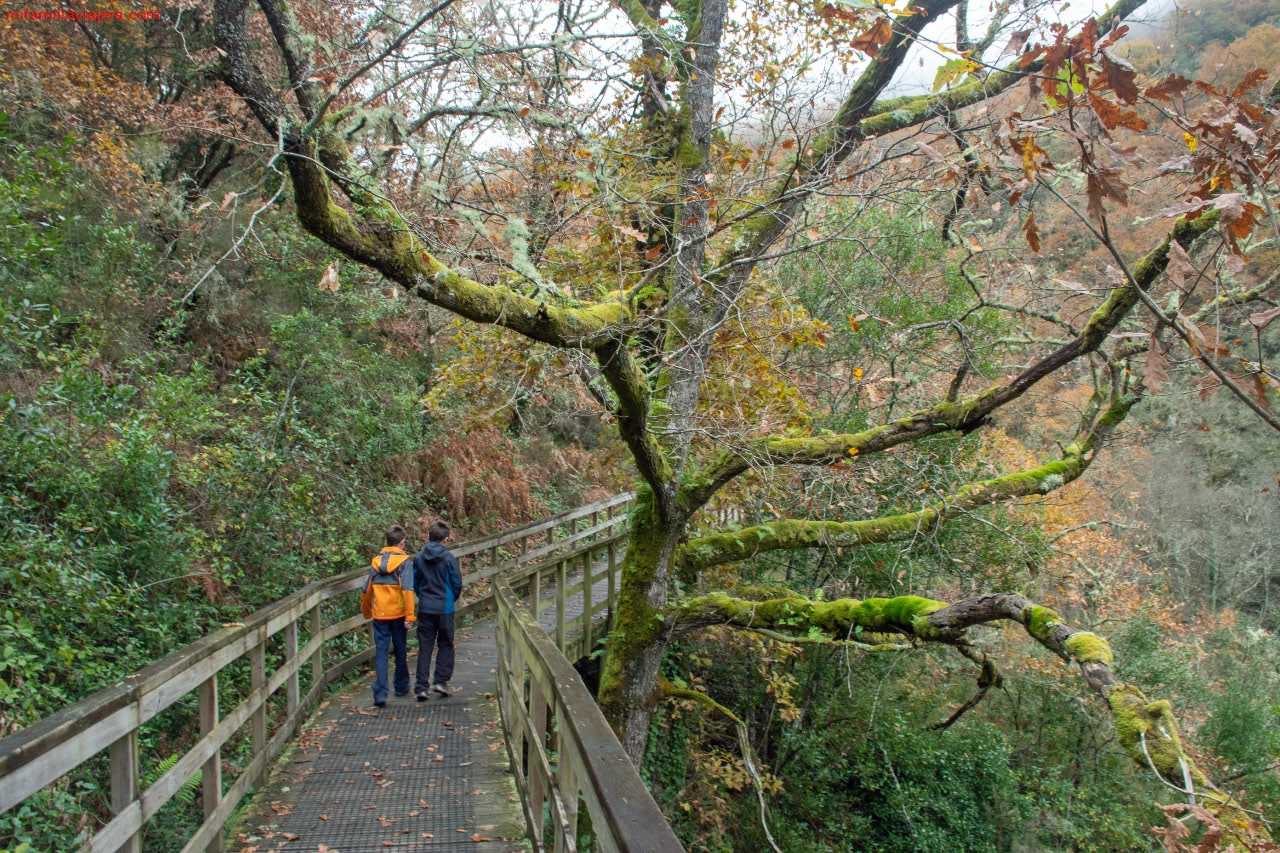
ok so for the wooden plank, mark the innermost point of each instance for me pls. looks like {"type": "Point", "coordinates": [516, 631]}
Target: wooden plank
{"type": "Point", "coordinates": [160, 696]}
{"type": "Point", "coordinates": [561, 570]}
{"type": "Point", "coordinates": [120, 833]}
{"type": "Point", "coordinates": [33, 743]}
{"type": "Point", "coordinates": [613, 572]}
{"type": "Point", "coordinates": [317, 654]}
{"type": "Point", "coordinates": [291, 661]}
{"type": "Point", "coordinates": [337, 629]}
{"type": "Point", "coordinates": [257, 681]}
{"type": "Point", "coordinates": [535, 593]}
{"type": "Point", "coordinates": [356, 660]}
{"type": "Point", "coordinates": [567, 788]}
{"type": "Point", "coordinates": [57, 761]}
{"type": "Point", "coordinates": [539, 769]}
{"type": "Point", "coordinates": [588, 589]}
{"type": "Point", "coordinates": [211, 779]}
{"type": "Point", "coordinates": [125, 789]}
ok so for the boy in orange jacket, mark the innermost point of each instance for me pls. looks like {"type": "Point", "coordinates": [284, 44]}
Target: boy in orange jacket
{"type": "Point", "coordinates": [387, 599]}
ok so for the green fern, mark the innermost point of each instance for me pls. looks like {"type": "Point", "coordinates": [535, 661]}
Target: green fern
{"type": "Point", "coordinates": [186, 795]}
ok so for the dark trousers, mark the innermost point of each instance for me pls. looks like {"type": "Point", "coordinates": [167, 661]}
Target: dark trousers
{"type": "Point", "coordinates": [388, 633]}
{"type": "Point", "coordinates": [434, 629]}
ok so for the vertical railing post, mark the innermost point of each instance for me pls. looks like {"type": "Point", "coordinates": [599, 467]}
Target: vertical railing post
{"type": "Point", "coordinates": [125, 786]}
{"type": "Point", "coordinates": [493, 556]}
{"type": "Point", "coordinates": [317, 657]}
{"type": "Point", "coordinates": [535, 593]}
{"type": "Point", "coordinates": [538, 722]}
{"type": "Point", "coordinates": [613, 570]}
{"type": "Point", "coordinates": [211, 778]}
{"type": "Point", "coordinates": [290, 653]}
{"type": "Point", "coordinates": [561, 583]}
{"type": "Point", "coordinates": [567, 786]}
{"type": "Point", "coordinates": [515, 696]}
{"type": "Point", "coordinates": [588, 592]}
{"type": "Point", "coordinates": [258, 681]}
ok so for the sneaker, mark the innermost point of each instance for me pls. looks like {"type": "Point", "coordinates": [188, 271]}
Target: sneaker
{"type": "Point", "coordinates": [422, 695]}
{"type": "Point", "coordinates": [400, 693]}
{"type": "Point", "coordinates": [380, 703]}
{"type": "Point", "coordinates": [443, 689]}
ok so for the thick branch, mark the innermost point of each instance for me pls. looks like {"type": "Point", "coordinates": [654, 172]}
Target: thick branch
{"type": "Point", "coordinates": [790, 534]}
{"type": "Point", "coordinates": [1147, 730]}
{"type": "Point", "coordinates": [631, 386]}
{"type": "Point", "coordinates": [963, 415]}
{"type": "Point", "coordinates": [375, 234]}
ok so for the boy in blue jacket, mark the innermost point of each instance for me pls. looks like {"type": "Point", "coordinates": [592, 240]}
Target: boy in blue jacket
{"type": "Point", "coordinates": [437, 584]}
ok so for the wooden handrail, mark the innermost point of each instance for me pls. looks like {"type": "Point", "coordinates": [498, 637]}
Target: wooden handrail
{"type": "Point", "coordinates": [546, 710]}
{"type": "Point", "coordinates": [47, 750]}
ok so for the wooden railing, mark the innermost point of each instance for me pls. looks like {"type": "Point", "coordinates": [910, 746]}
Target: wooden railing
{"type": "Point", "coordinates": [110, 720]}
{"type": "Point", "coordinates": [563, 752]}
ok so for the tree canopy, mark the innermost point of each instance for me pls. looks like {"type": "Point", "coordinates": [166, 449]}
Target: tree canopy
{"type": "Point", "coordinates": [788, 289]}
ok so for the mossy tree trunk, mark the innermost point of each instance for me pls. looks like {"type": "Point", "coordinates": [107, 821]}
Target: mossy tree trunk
{"type": "Point", "coordinates": [639, 636]}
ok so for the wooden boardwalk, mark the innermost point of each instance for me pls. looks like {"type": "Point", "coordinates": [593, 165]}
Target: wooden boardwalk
{"type": "Point", "coordinates": [429, 776]}
{"type": "Point", "coordinates": [330, 773]}
{"type": "Point", "coordinates": [411, 775]}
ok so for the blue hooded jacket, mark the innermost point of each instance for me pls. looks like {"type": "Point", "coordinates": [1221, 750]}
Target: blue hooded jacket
{"type": "Point", "coordinates": [437, 579]}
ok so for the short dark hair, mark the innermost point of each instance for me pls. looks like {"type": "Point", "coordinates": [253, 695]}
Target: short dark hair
{"type": "Point", "coordinates": [438, 532]}
{"type": "Point", "coordinates": [395, 534]}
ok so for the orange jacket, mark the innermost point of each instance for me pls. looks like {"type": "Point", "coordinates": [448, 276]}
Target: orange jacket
{"type": "Point", "coordinates": [388, 592]}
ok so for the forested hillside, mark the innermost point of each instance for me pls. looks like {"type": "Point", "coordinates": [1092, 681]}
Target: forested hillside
{"type": "Point", "coordinates": [881, 370]}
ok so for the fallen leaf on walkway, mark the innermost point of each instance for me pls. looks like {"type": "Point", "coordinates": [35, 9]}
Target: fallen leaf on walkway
{"type": "Point", "coordinates": [427, 835]}
{"type": "Point", "coordinates": [324, 817]}
{"type": "Point", "coordinates": [477, 838]}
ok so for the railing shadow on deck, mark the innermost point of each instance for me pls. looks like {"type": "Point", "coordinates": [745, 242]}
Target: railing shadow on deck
{"type": "Point", "coordinates": [46, 751]}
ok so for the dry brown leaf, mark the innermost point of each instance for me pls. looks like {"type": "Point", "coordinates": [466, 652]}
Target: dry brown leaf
{"type": "Point", "coordinates": [1262, 319]}
{"type": "Point", "coordinates": [329, 281]}
{"type": "Point", "coordinates": [1156, 371]}
{"type": "Point", "coordinates": [1033, 234]}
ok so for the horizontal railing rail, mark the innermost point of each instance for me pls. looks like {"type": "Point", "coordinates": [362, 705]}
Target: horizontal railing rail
{"type": "Point", "coordinates": [563, 753]}
{"type": "Point", "coordinates": [44, 752]}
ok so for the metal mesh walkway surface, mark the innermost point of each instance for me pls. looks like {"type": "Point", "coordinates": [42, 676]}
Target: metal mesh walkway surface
{"type": "Point", "coordinates": [429, 776]}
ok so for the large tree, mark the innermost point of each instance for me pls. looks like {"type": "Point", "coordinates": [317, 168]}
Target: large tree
{"type": "Point", "coordinates": [621, 182]}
